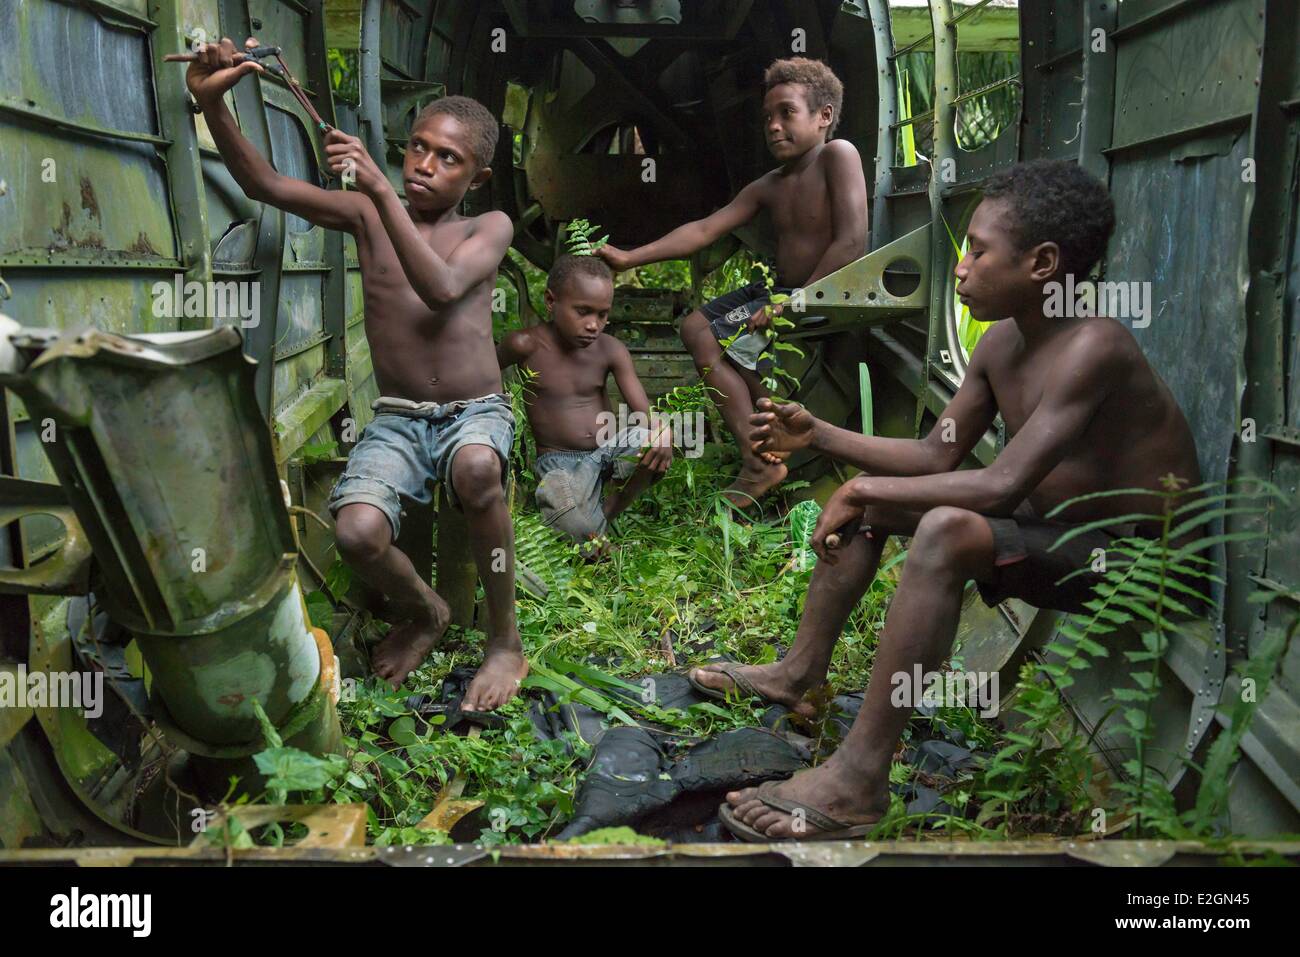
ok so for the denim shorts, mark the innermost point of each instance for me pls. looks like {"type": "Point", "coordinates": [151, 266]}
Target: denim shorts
{"type": "Point", "coordinates": [729, 314]}
{"type": "Point", "coordinates": [570, 484]}
{"type": "Point", "coordinates": [409, 446]}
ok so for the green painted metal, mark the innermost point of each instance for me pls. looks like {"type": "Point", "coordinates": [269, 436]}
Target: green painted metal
{"type": "Point", "coordinates": [874, 289]}
{"type": "Point", "coordinates": [205, 582]}
{"type": "Point", "coordinates": [1153, 112]}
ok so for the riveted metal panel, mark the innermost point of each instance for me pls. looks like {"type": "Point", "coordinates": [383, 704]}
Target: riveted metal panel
{"type": "Point", "coordinates": [81, 198]}
{"type": "Point", "coordinates": [401, 36]}
{"type": "Point", "coordinates": [108, 57]}
{"type": "Point", "coordinates": [284, 26]}
{"type": "Point", "coordinates": [295, 374]}
{"type": "Point", "coordinates": [1169, 79]}
{"type": "Point", "coordinates": [1051, 56]}
{"type": "Point", "coordinates": [120, 301]}
{"type": "Point", "coordinates": [1188, 247]}
{"type": "Point", "coordinates": [298, 320]}
{"type": "Point", "coordinates": [293, 156]}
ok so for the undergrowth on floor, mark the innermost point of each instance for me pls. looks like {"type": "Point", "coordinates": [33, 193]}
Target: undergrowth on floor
{"type": "Point", "coordinates": [688, 581]}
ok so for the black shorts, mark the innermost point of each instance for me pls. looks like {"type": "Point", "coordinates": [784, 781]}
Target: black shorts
{"type": "Point", "coordinates": [1027, 567]}
{"type": "Point", "coordinates": [728, 317]}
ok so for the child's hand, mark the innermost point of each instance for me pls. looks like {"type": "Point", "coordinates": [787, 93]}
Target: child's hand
{"type": "Point", "coordinates": [656, 459]}
{"type": "Point", "coordinates": [841, 509]}
{"type": "Point", "coordinates": [617, 259]}
{"type": "Point", "coordinates": [218, 67]}
{"type": "Point", "coordinates": [658, 455]}
{"type": "Point", "coordinates": [780, 427]}
{"type": "Point", "coordinates": [346, 156]}
{"type": "Point", "coordinates": [762, 319]}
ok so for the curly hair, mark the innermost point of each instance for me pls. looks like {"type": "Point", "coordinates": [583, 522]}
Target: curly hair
{"type": "Point", "coordinates": [1057, 201]}
{"type": "Point", "coordinates": [567, 266]}
{"type": "Point", "coordinates": [477, 119]}
{"type": "Point", "coordinates": [821, 86]}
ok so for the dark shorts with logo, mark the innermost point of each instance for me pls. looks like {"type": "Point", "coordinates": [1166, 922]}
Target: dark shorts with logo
{"type": "Point", "coordinates": [1028, 567]}
{"type": "Point", "coordinates": [728, 317]}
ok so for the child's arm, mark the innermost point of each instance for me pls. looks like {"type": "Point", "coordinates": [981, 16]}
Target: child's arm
{"type": "Point", "coordinates": [514, 348]}
{"type": "Point", "coordinates": [658, 456]}
{"type": "Point", "coordinates": [436, 280]}
{"type": "Point", "coordinates": [846, 191]}
{"type": "Point", "coordinates": [209, 77]}
{"type": "Point", "coordinates": [691, 238]}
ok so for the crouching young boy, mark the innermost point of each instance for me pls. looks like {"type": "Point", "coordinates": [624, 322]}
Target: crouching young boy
{"type": "Point", "coordinates": [579, 448]}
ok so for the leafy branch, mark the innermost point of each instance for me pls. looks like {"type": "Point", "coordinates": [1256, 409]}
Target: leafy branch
{"type": "Point", "coordinates": [578, 237]}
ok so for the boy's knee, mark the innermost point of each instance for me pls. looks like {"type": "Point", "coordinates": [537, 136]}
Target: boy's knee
{"type": "Point", "coordinates": [476, 475]}
{"type": "Point", "coordinates": [362, 533]}
{"type": "Point", "coordinates": [699, 340]}
{"type": "Point", "coordinates": [694, 324]}
{"type": "Point", "coordinates": [946, 537]}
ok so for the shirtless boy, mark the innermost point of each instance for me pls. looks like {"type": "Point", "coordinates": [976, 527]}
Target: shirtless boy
{"type": "Point", "coordinates": [1084, 412]}
{"type": "Point", "coordinates": [817, 200]}
{"type": "Point", "coordinates": [577, 452]}
{"type": "Point", "coordinates": [428, 274]}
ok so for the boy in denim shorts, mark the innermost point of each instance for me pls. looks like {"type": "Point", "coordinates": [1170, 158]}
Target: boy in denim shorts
{"type": "Point", "coordinates": [427, 274]}
{"type": "Point", "coordinates": [409, 446]}
{"type": "Point", "coordinates": [579, 444]}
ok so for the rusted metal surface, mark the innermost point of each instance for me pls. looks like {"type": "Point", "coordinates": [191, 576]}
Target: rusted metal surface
{"type": "Point", "coordinates": [336, 827]}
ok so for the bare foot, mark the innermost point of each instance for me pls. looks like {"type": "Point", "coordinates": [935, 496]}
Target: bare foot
{"type": "Point", "coordinates": [406, 645]}
{"type": "Point", "coordinates": [597, 548]}
{"type": "Point", "coordinates": [754, 482]}
{"type": "Point", "coordinates": [768, 680]}
{"type": "Point", "coordinates": [838, 795]}
{"type": "Point", "coordinates": [498, 678]}
{"type": "Point", "coordinates": [774, 458]}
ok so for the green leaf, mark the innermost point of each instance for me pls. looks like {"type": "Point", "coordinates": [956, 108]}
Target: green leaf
{"type": "Point", "coordinates": [290, 769]}
{"type": "Point", "coordinates": [403, 732]}
{"type": "Point", "coordinates": [338, 579]}
{"type": "Point", "coordinates": [320, 610]}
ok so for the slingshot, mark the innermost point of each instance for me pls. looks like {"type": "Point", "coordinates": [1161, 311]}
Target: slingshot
{"type": "Point", "coordinates": [279, 68]}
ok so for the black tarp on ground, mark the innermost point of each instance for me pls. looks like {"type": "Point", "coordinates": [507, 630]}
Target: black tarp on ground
{"type": "Point", "coordinates": [651, 779]}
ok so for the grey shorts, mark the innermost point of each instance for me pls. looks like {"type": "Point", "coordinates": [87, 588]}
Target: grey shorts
{"type": "Point", "coordinates": [571, 483]}
{"type": "Point", "coordinates": [729, 314]}
{"type": "Point", "coordinates": [409, 446]}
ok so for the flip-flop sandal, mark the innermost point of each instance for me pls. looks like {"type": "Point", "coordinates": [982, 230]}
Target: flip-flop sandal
{"type": "Point", "coordinates": [828, 829]}
{"type": "Point", "coordinates": [743, 687]}
{"type": "Point", "coordinates": [738, 827]}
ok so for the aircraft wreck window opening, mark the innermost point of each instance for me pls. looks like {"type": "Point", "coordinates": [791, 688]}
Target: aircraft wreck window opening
{"type": "Point", "coordinates": [988, 102]}
{"type": "Point", "coordinates": [988, 74]}
{"type": "Point", "coordinates": [619, 139]}
{"type": "Point", "coordinates": [913, 37]}
{"type": "Point", "coordinates": [964, 331]}
{"type": "Point", "coordinates": [345, 74]}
